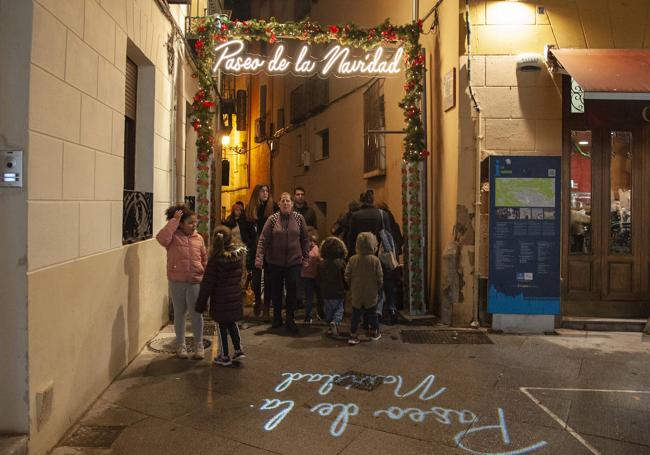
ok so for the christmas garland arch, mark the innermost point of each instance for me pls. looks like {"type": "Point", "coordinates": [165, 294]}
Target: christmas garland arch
{"type": "Point", "coordinates": [213, 30]}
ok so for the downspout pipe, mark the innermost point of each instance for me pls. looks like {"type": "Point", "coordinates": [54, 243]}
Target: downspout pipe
{"type": "Point", "coordinates": [475, 323]}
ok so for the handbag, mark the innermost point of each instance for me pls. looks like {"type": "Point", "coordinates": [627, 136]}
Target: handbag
{"type": "Point", "coordinates": [386, 253]}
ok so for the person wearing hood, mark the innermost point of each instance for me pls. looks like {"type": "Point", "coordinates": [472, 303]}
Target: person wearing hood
{"type": "Point", "coordinates": [301, 206]}
{"type": "Point", "coordinates": [364, 276]}
{"type": "Point", "coordinates": [222, 285]}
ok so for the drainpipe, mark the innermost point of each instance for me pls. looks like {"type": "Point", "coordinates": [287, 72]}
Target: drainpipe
{"type": "Point", "coordinates": [477, 174]}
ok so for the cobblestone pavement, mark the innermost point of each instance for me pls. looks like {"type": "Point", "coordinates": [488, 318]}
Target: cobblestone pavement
{"type": "Point", "coordinates": [572, 393]}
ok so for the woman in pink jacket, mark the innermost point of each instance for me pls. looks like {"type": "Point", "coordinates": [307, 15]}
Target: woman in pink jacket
{"type": "Point", "coordinates": [186, 261]}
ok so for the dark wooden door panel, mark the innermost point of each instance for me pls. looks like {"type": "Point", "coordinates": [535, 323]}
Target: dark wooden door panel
{"type": "Point", "coordinates": [579, 276]}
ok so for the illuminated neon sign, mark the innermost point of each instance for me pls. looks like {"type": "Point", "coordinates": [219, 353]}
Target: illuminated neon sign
{"type": "Point", "coordinates": [230, 57]}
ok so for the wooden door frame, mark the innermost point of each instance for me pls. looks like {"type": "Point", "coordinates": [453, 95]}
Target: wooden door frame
{"type": "Point", "coordinates": [590, 301]}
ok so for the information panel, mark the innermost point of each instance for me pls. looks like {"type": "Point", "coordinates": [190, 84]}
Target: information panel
{"type": "Point", "coordinates": [525, 208]}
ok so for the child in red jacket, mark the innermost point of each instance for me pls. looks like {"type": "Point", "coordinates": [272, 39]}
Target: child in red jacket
{"type": "Point", "coordinates": [186, 261]}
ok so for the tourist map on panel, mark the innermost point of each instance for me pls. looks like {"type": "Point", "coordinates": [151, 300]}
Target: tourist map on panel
{"type": "Point", "coordinates": [525, 192]}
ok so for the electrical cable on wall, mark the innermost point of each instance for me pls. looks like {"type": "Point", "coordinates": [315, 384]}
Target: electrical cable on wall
{"type": "Point", "coordinates": [469, 58]}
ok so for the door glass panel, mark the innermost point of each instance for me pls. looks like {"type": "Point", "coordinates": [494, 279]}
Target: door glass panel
{"type": "Point", "coordinates": [620, 178]}
{"type": "Point", "coordinates": [580, 232]}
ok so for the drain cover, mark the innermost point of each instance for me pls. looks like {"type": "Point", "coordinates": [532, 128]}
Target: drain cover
{"type": "Point", "coordinates": [93, 436]}
{"type": "Point", "coordinates": [167, 345]}
{"type": "Point", "coordinates": [358, 380]}
{"type": "Point", "coordinates": [444, 337]}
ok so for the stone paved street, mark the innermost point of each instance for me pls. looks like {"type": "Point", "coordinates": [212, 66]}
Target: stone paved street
{"type": "Point", "coordinates": [575, 393]}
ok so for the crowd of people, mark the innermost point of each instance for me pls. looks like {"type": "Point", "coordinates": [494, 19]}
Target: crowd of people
{"type": "Point", "coordinates": [274, 248]}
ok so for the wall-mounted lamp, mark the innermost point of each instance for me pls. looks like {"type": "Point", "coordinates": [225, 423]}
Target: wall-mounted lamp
{"type": "Point", "coordinates": [530, 62]}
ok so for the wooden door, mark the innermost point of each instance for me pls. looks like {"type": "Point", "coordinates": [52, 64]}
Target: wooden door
{"type": "Point", "coordinates": [605, 240]}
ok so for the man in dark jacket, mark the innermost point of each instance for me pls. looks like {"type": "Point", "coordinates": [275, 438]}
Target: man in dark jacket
{"type": "Point", "coordinates": [367, 219]}
{"type": "Point", "coordinates": [300, 205]}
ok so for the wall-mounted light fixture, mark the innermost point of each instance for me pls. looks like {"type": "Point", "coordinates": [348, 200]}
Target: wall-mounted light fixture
{"type": "Point", "coordinates": [530, 62]}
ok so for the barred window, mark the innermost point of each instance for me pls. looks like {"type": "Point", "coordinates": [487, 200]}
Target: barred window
{"type": "Point", "coordinates": [374, 119]}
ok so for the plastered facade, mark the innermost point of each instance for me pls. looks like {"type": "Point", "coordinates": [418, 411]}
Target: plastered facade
{"type": "Point", "coordinates": [91, 303]}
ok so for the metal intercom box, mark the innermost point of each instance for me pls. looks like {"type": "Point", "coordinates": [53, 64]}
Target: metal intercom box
{"type": "Point", "coordinates": [11, 168]}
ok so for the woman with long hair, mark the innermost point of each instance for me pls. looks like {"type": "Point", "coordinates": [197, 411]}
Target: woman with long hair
{"type": "Point", "coordinates": [259, 209]}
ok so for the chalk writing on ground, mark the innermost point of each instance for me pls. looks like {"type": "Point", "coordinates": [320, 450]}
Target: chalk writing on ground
{"type": "Point", "coordinates": [424, 391]}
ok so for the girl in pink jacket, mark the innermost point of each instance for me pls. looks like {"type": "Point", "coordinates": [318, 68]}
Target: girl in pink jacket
{"type": "Point", "coordinates": [186, 261]}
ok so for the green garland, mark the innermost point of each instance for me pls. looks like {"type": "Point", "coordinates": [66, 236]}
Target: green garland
{"type": "Point", "coordinates": [213, 30]}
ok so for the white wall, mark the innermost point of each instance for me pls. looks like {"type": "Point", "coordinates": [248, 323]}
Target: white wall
{"type": "Point", "coordinates": [91, 299]}
{"type": "Point", "coordinates": [15, 36]}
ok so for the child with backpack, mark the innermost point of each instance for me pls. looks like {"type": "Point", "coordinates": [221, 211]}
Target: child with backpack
{"type": "Point", "coordinates": [365, 278]}
{"type": "Point", "coordinates": [223, 286]}
{"type": "Point", "coordinates": [186, 260]}
{"type": "Point", "coordinates": [330, 280]}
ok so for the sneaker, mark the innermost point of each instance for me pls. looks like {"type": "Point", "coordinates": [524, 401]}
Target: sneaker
{"type": "Point", "coordinates": [334, 329]}
{"type": "Point", "coordinates": [308, 321]}
{"type": "Point", "coordinates": [239, 354]}
{"type": "Point", "coordinates": [375, 335]}
{"type": "Point", "coordinates": [276, 323]}
{"type": "Point", "coordinates": [181, 352]}
{"type": "Point", "coordinates": [222, 360]}
{"type": "Point", "coordinates": [291, 327]}
{"type": "Point", "coordinates": [199, 351]}
{"type": "Point", "coordinates": [353, 340]}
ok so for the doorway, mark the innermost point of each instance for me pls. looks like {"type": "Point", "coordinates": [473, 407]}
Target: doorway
{"type": "Point", "coordinates": [606, 255]}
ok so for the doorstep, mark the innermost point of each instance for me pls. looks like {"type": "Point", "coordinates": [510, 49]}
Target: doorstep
{"type": "Point", "coordinates": [603, 324]}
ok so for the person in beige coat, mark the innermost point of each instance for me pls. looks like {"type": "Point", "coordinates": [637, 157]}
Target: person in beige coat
{"type": "Point", "coordinates": [365, 278]}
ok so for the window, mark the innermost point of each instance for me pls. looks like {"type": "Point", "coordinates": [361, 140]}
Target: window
{"type": "Point", "coordinates": [299, 151]}
{"type": "Point", "coordinates": [262, 101]}
{"type": "Point", "coordinates": [324, 143]}
{"type": "Point", "coordinates": [374, 119]}
{"type": "Point", "coordinates": [137, 199]}
{"type": "Point", "coordinates": [302, 8]}
{"type": "Point", "coordinates": [227, 86]}
{"type": "Point", "coordinates": [318, 92]}
{"type": "Point", "coordinates": [130, 111]}
{"type": "Point", "coordinates": [280, 118]}
{"type": "Point", "coordinates": [620, 182]}
{"type": "Point", "coordinates": [298, 104]}
{"type": "Point", "coordinates": [580, 232]}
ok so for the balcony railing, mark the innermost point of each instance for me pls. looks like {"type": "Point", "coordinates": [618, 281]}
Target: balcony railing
{"type": "Point", "coordinates": [137, 216]}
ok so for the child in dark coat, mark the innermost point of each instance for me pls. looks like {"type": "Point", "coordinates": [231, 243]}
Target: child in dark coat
{"type": "Point", "coordinates": [223, 285]}
{"type": "Point", "coordinates": [330, 280]}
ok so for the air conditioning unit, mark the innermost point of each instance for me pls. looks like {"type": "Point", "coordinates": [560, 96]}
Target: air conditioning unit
{"type": "Point", "coordinates": [260, 130]}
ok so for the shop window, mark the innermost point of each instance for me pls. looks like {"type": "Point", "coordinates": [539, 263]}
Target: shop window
{"type": "Point", "coordinates": [580, 232]}
{"type": "Point", "coordinates": [374, 120]}
{"type": "Point", "coordinates": [620, 181]}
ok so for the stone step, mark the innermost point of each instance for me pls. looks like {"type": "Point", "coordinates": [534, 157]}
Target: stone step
{"type": "Point", "coordinates": [13, 445]}
{"type": "Point", "coordinates": [603, 324]}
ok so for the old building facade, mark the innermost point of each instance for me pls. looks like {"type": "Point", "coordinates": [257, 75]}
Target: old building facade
{"type": "Point", "coordinates": [96, 99]}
